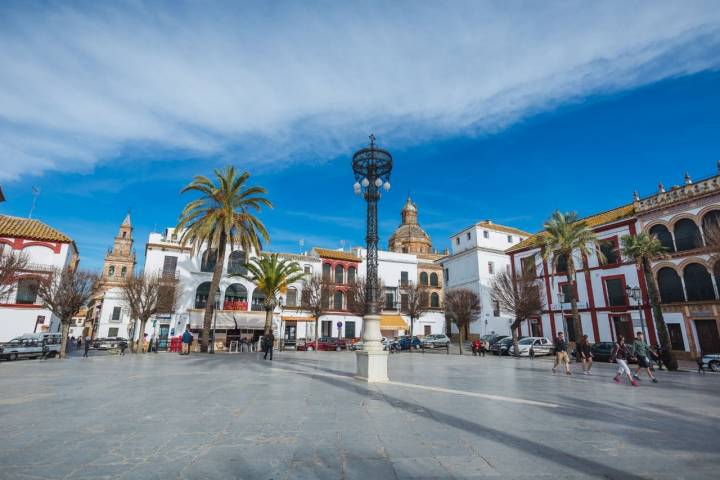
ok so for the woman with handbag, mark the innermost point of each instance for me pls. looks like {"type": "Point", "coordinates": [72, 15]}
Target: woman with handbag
{"type": "Point", "coordinates": [620, 355]}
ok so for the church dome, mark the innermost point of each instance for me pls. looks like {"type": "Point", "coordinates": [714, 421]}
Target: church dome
{"type": "Point", "coordinates": [409, 237]}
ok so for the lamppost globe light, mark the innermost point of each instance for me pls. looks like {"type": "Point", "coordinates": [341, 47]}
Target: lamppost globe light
{"type": "Point", "coordinates": [365, 182]}
{"type": "Point", "coordinates": [387, 186]}
{"type": "Point", "coordinates": [378, 182]}
{"type": "Point", "coordinates": [356, 186]}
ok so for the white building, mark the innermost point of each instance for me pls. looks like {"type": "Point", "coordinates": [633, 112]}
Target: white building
{"type": "Point", "coordinates": [47, 249]}
{"type": "Point", "coordinates": [241, 314]}
{"type": "Point", "coordinates": [477, 254]}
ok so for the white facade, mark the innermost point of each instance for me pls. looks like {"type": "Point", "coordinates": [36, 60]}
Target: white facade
{"type": "Point", "coordinates": [477, 254]}
{"type": "Point", "coordinates": [22, 311]}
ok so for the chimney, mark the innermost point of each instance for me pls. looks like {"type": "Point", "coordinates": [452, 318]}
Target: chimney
{"type": "Point", "coordinates": [661, 188]}
{"type": "Point", "coordinates": [688, 180]}
{"type": "Point", "coordinates": [636, 197]}
{"type": "Point", "coordinates": [488, 221]}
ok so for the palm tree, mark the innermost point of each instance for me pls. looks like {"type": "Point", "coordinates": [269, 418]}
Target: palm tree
{"type": "Point", "coordinates": [223, 214]}
{"type": "Point", "coordinates": [272, 275]}
{"type": "Point", "coordinates": [565, 236]}
{"type": "Point", "coordinates": [643, 248]}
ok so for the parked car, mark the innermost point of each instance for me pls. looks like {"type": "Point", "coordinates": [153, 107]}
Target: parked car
{"type": "Point", "coordinates": [324, 343]}
{"type": "Point", "coordinates": [437, 340]}
{"type": "Point", "coordinates": [108, 343]}
{"type": "Point", "coordinates": [711, 361]}
{"type": "Point", "coordinates": [540, 345]}
{"type": "Point", "coordinates": [492, 338]}
{"type": "Point", "coordinates": [32, 345]}
{"type": "Point", "coordinates": [404, 342]}
{"type": "Point", "coordinates": [503, 346]}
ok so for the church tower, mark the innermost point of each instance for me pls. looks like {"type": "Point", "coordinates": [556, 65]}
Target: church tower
{"type": "Point", "coordinates": [120, 260]}
{"type": "Point", "coordinates": [409, 237]}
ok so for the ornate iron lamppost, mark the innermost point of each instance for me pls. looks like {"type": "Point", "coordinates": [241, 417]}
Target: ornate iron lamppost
{"type": "Point", "coordinates": [372, 166]}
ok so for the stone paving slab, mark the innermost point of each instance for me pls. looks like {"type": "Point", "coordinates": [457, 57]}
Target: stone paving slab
{"type": "Point", "coordinates": [304, 416]}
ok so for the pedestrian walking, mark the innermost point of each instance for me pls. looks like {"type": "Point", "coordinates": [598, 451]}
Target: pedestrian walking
{"type": "Point", "coordinates": [72, 342]}
{"type": "Point", "coordinates": [187, 339]}
{"type": "Point", "coordinates": [79, 342]}
{"type": "Point", "coordinates": [268, 341]}
{"type": "Point", "coordinates": [123, 345]}
{"type": "Point", "coordinates": [476, 346]}
{"type": "Point", "coordinates": [641, 351]}
{"type": "Point", "coordinates": [585, 355]}
{"type": "Point", "coordinates": [531, 352]}
{"type": "Point", "coordinates": [620, 355]}
{"type": "Point", "coordinates": [87, 346]}
{"type": "Point", "coordinates": [658, 356]}
{"type": "Point", "coordinates": [485, 347]}
{"type": "Point", "coordinates": [561, 353]}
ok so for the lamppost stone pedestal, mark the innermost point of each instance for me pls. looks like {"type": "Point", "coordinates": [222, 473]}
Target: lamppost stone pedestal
{"type": "Point", "coordinates": [371, 361]}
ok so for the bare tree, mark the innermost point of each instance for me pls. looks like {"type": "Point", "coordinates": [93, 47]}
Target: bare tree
{"type": "Point", "coordinates": [356, 294]}
{"type": "Point", "coordinates": [11, 264]}
{"type": "Point", "coordinates": [415, 302]}
{"type": "Point", "coordinates": [463, 307]}
{"type": "Point", "coordinates": [315, 298]}
{"type": "Point", "coordinates": [145, 295]}
{"type": "Point", "coordinates": [63, 292]}
{"type": "Point", "coordinates": [518, 295]}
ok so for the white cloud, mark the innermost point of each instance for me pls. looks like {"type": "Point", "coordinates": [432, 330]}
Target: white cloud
{"type": "Point", "coordinates": [278, 82]}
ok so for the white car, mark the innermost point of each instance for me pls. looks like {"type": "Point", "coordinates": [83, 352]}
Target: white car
{"type": "Point", "coordinates": [32, 345]}
{"type": "Point", "coordinates": [540, 346]}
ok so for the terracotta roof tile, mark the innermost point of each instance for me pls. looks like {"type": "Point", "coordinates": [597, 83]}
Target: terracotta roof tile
{"type": "Point", "coordinates": [30, 229]}
{"type": "Point", "coordinates": [336, 254]}
{"type": "Point", "coordinates": [592, 221]}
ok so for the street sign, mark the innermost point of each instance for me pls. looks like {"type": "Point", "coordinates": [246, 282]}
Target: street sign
{"type": "Point", "coordinates": [339, 324]}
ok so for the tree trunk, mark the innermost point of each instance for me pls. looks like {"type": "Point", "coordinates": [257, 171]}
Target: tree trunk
{"type": "Point", "coordinates": [214, 286]}
{"type": "Point", "coordinates": [268, 320]}
{"type": "Point", "coordinates": [141, 336]}
{"type": "Point", "coordinates": [460, 338]}
{"type": "Point", "coordinates": [577, 324]}
{"type": "Point", "coordinates": [668, 357]}
{"type": "Point", "coordinates": [514, 328]}
{"type": "Point", "coordinates": [65, 330]}
{"type": "Point", "coordinates": [317, 331]}
{"type": "Point", "coordinates": [412, 322]}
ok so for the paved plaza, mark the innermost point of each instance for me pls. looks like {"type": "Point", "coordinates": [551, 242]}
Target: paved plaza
{"type": "Point", "coordinates": [304, 416]}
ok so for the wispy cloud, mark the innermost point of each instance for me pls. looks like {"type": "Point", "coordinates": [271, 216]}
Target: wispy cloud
{"type": "Point", "coordinates": [345, 222]}
{"type": "Point", "coordinates": [282, 82]}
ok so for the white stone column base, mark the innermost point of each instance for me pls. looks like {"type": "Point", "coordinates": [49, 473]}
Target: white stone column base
{"type": "Point", "coordinates": [371, 366]}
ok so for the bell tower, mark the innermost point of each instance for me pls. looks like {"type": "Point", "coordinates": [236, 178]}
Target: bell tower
{"type": "Point", "coordinates": [120, 259]}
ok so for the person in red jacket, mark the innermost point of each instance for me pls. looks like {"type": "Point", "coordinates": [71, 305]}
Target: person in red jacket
{"type": "Point", "coordinates": [477, 347]}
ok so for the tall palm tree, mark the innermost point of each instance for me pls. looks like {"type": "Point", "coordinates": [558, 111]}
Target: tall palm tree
{"type": "Point", "coordinates": [643, 248]}
{"type": "Point", "coordinates": [564, 237]}
{"type": "Point", "coordinates": [224, 213]}
{"type": "Point", "coordinates": [272, 275]}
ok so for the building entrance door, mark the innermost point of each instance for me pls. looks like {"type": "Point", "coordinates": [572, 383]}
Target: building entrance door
{"type": "Point", "coordinates": [676, 336]}
{"type": "Point", "coordinates": [623, 326]}
{"type": "Point", "coordinates": [163, 337]}
{"type": "Point", "coordinates": [707, 333]}
{"type": "Point", "coordinates": [290, 333]}
{"type": "Point", "coordinates": [536, 328]}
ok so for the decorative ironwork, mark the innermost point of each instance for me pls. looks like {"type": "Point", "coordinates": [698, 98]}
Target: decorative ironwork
{"type": "Point", "coordinates": [372, 166]}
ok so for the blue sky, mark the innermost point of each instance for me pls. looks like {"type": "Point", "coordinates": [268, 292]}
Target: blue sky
{"type": "Point", "coordinates": [501, 112]}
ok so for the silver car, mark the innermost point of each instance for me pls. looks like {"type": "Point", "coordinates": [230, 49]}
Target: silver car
{"type": "Point", "coordinates": [438, 340]}
{"type": "Point", "coordinates": [711, 361]}
{"type": "Point", "coordinates": [32, 345]}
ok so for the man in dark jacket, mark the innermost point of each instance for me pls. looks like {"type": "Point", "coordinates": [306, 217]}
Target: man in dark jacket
{"type": "Point", "coordinates": [268, 341]}
{"type": "Point", "coordinates": [561, 353]}
{"type": "Point", "coordinates": [187, 339]}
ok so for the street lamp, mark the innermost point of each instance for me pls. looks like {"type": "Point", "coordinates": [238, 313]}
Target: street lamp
{"type": "Point", "coordinates": [281, 333]}
{"type": "Point", "coordinates": [561, 301]}
{"type": "Point", "coordinates": [636, 294]}
{"type": "Point", "coordinates": [217, 305]}
{"type": "Point", "coordinates": [372, 166]}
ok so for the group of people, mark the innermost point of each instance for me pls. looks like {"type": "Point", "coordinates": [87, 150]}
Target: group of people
{"type": "Point", "coordinates": [79, 342]}
{"type": "Point", "coordinates": [266, 341]}
{"type": "Point", "coordinates": [480, 347]}
{"type": "Point", "coordinates": [621, 354]}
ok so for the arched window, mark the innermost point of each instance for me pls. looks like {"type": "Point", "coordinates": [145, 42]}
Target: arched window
{"type": "Point", "coordinates": [434, 300]}
{"type": "Point", "coordinates": [201, 295]}
{"type": "Point", "coordinates": [258, 298]}
{"type": "Point", "coordinates": [561, 264]}
{"type": "Point", "coordinates": [338, 300]}
{"type": "Point", "coordinates": [698, 283]}
{"type": "Point", "coordinates": [236, 263]}
{"type": "Point", "coordinates": [209, 259]}
{"type": "Point", "coordinates": [123, 271]}
{"type": "Point", "coordinates": [670, 286]}
{"type": "Point", "coordinates": [664, 236]}
{"type": "Point", "coordinates": [27, 291]}
{"type": "Point", "coordinates": [352, 272]}
{"type": "Point", "coordinates": [291, 297]}
{"type": "Point", "coordinates": [339, 273]}
{"type": "Point", "coordinates": [434, 280]}
{"type": "Point", "coordinates": [111, 271]}
{"type": "Point", "coordinates": [327, 270]}
{"type": "Point", "coordinates": [711, 228]}
{"type": "Point", "coordinates": [423, 278]}
{"type": "Point", "coordinates": [236, 293]}
{"type": "Point", "coordinates": [687, 235]}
